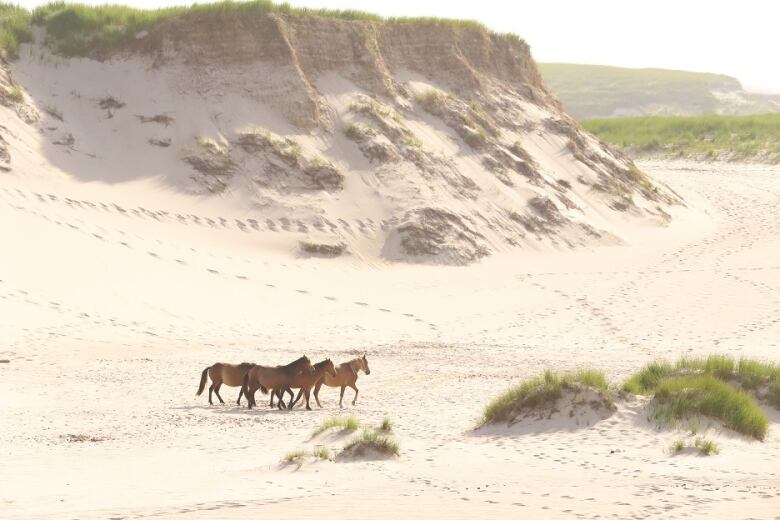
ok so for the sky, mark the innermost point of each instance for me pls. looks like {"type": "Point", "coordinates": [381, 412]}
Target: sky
{"type": "Point", "coordinates": [738, 38]}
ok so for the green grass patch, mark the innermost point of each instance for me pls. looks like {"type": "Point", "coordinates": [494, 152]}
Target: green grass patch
{"type": "Point", "coordinates": [681, 398]}
{"type": "Point", "coordinates": [540, 391]}
{"type": "Point", "coordinates": [703, 137]}
{"type": "Point", "coordinates": [345, 424]}
{"type": "Point", "coordinates": [75, 29]}
{"type": "Point", "coordinates": [15, 28]}
{"type": "Point", "coordinates": [749, 374]}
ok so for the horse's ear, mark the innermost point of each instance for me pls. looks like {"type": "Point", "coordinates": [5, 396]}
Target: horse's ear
{"type": "Point", "coordinates": [364, 355]}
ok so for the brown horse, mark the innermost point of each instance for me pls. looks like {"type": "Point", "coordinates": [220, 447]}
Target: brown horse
{"type": "Point", "coordinates": [305, 382]}
{"type": "Point", "coordinates": [224, 373]}
{"type": "Point", "coordinates": [346, 376]}
{"type": "Point", "coordinates": [266, 378]}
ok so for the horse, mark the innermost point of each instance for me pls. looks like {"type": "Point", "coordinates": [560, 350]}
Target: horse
{"type": "Point", "coordinates": [272, 377]}
{"type": "Point", "coordinates": [346, 376]}
{"type": "Point", "coordinates": [305, 382]}
{"type": "Point", "coordinates": [224, 373]}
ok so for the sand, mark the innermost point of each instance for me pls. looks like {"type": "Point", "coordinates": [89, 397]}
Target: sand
{"type": "Point", "coordinates": [108, 316]}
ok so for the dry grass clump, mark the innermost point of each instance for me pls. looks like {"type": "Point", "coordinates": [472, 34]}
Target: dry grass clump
{"type": "Point", "coordinates": [386, 425]}
{"type": "Point", "coordinates": [541, 391]}
{"type": "Point", "coordinates": [323, 250]}
{"type": "Point", "coordinates": [14, 94]}
{"type": "Point", "coordinates": [432, 101]}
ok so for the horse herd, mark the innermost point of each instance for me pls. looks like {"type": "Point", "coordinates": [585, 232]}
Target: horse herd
{"type": "Point", "coordinates": [276, 380]}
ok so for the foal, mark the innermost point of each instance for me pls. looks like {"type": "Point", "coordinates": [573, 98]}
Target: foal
{"type": "Point", "coordinates": [346, 376]}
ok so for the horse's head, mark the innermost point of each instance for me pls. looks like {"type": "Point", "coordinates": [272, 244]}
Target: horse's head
{"type": "Point", "coordinates": [329, 368]}
{"type": "Point", "coordinates": [364, 365]}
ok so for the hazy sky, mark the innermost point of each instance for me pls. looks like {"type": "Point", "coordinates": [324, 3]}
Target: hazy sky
{"type": "Point", "coordinates": [739, 38]}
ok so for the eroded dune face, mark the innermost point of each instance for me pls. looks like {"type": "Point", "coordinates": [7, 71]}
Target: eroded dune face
{"type": "Point", "coordinates": [441, 140]}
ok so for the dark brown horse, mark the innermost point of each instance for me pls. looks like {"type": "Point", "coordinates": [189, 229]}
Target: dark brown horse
{"type": "Point", "coordinates": [224, 373]}
{"type": "Point", "coordinates": [305, 382]}
{"type": "Point", "coordinates": [266, 378]}
{"type": "Point", "coordinates": [346, 376]}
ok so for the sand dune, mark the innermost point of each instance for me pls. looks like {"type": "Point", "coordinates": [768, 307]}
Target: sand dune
{"type": "Point", "coordinates": [100, 418]}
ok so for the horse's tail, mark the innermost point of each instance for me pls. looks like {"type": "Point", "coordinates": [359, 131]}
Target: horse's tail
{"type": "Point", "coordinates": [263, 389]}
{"type": "Point", "coordinates": [203, 377]}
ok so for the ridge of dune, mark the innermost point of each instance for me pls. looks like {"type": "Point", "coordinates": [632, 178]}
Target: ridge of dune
{"type": "Point", "coordinates": [443, 138]}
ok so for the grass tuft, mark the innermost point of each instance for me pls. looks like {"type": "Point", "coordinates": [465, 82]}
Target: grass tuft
{"type": "Point", "coordinates": [349, 423]}
{"type": "Point", "coordinates": [539, 391]}
{"type": "Point", "coordinates": [295, 457]}
{"type": "Point", "coordinates": [387, 425]}
{"type": "Point", "coordinates": [706, 446]}
{"type": "Point", "coordinates": [371, 440]}
{"type": "Point", "coordinates": [321, 452]}
{"type": "Point", "coordinates": [432, 101]}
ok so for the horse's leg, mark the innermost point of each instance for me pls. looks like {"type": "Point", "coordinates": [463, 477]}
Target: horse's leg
{"type": "Point", "coordinates": [317, 393]}
{"type": "Point", "coordinates": [211, 389]}
{"type": "Point", "coordinates": [271, 404]}
{"type": "Point", "coordinates": [308, 393]}
{"type": "Point", "coordinates": [353, 387]}
{"type": "Point", "coordinates": [240, 393]}
{"type": "Point", "coordinates": [342, 396]}
{"type": "Point", "coordinates": [300, 393]}
{"type": "Point", "coordinates": [216, 391]}
{"type": "Point", "coordinates": [292, 394]}
{"type": "Point", "coordinates": [280, 399]}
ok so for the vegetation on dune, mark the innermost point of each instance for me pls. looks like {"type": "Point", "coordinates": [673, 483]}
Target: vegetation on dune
{"type": "Point", "coordinates": [372, 441]}
{"type": "Point", "coordinates": [541, 391]}
{"type": "Point", "coordinates": [386, 425]}
{"type": "Point", "coordinates": [15, 28]}
{"type": "Point", "coordinates": [702, 137]}
{"type": "Point", "coordinates": [715, 386]}
{"type": "Point", "coordinates": [75, 29]}
{"type": "Point", "coordinates": [749, 374]}
{"type": "Point", "coordinates": [679, 398]}
{"type": "Point", "coordinates": [705, 446]}
{"type": "Point", "coordinates": [349, 423]}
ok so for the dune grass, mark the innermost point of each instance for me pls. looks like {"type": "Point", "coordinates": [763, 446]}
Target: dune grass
{"type": "Point", "coordinates": [705, 446]}
{"type": "Point", "coordinates": [15, 28]}
{"type": "Point", "coordinates": [321, 452]}
{"type": "Point", "coordinates": [75, 29]}
{"type": "Point", "coordinates": [539, 391]}
{"type": "Point", "coordinates": [705, 137]}
{"type": "Point", "coordinates": [680, 398]}
{"type": "Point", "coordinates": [295, 457]}
{"type": "Point", "coordinates": [386, 425]}
{"type": "Point", "coordinates": [372, 440]}
{"type": "Point", "coordinates": [749, 374]}
{"type": "Point", "coordinates": [347, 424]}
